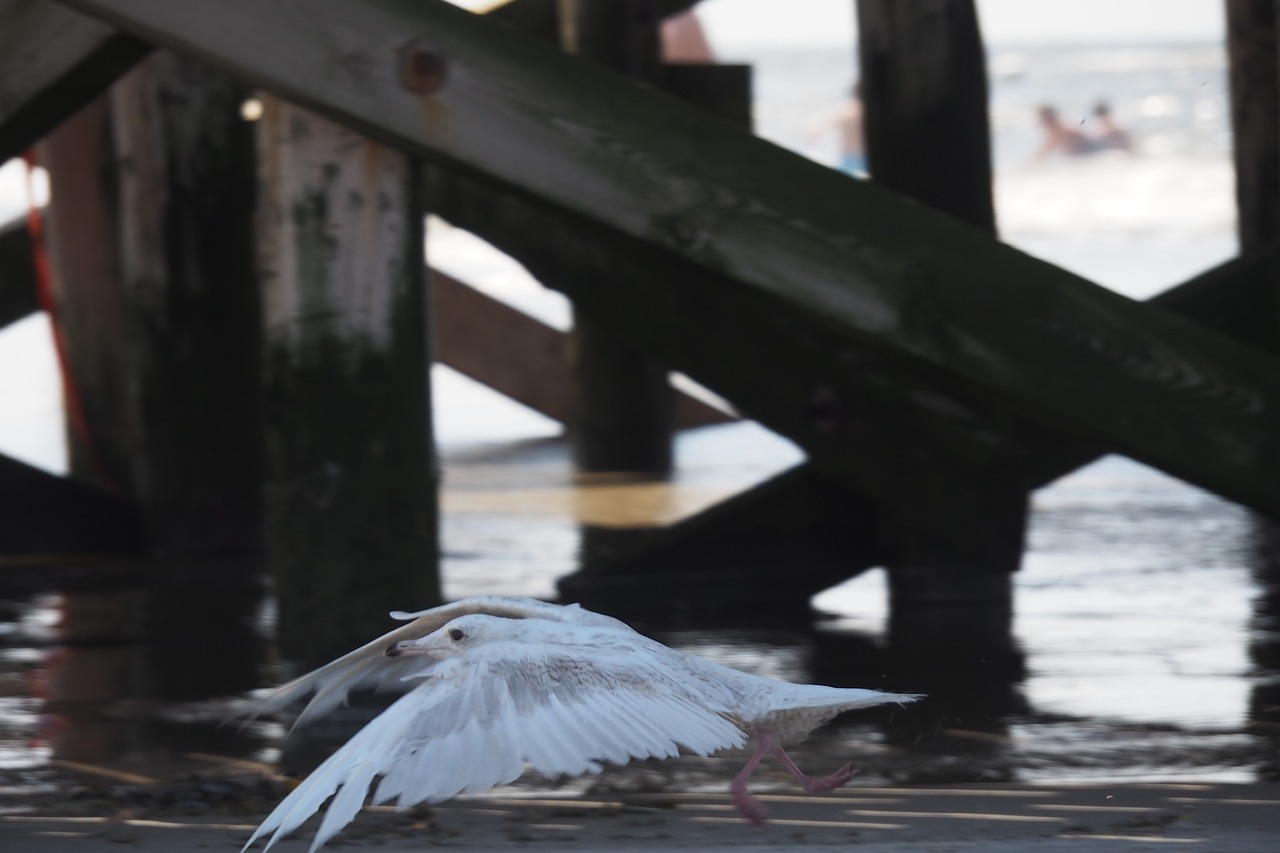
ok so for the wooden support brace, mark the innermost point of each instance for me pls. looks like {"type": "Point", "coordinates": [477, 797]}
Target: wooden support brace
{"type": "Point", "coordinates": [44, 514]}
{"type": "Point", "coordinates": [53, 61]}
{"type": "Point", "coordinates": [772, 547]}
{"type": "Point", "coordinates": [917, 285]}
{"type": "Point", "coordinates": [518, 356]}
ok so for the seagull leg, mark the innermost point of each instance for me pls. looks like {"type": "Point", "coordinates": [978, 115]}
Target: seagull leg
{"type": "Point", "coordinates": [742, 799]}
{"type": "Point", "coordinates": [814, 784]}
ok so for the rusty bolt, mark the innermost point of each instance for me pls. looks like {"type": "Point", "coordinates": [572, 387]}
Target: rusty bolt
{"type": "Point", "coordinates": [421, 71]}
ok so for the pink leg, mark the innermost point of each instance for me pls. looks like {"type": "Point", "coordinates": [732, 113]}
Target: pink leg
{"type": "Point", "coordinates": [814, 784]}
{"type": "Point", "coordinates": [747, 806]}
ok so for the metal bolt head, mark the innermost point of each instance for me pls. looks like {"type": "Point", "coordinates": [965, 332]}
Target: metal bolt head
{"type": "Point", "coordinates": [421, 71]}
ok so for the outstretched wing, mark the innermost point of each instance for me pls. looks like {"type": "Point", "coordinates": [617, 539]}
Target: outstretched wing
{"type": "Point", "coordinates": [367, 668]}
{"type": "Point", "coordinates": [476, 721]}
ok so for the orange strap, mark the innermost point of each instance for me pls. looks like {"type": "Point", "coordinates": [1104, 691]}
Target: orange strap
{"type": "Point", "coordinates": [76, 419]}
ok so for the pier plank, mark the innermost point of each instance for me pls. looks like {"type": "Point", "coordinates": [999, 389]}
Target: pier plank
{"type": "Point", "coordinates": [916, 284]}
{"type": "Point", "coordinates": [53, 61]}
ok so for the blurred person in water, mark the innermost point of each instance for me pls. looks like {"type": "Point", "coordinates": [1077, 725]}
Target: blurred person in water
{"type": "Point", "coordinates": [847, 123]}
{"type": "Point", "coordinates": [1107, 135]}
{"type": "Point", "coordinates": [1058, 137]}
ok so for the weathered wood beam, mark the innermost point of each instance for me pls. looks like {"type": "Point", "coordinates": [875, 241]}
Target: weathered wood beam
{"type": "Point", "coordinates": [1237, 299]}
{"type": "Point", "coordinates": [52, 62]}
{"type": "Point", "coordinates": [924, 91]}
{"type": "Point", "coordinates": [623, 406]}
{"type": "Point", "coordinates": [518, 356]}
{"type": "Point", "coordinates": [351, 512]}
{"type": "Point", "coordinates": [811, 381]}
{"type": "Point", "coordinates": [777, 544]}
{"type": "Point", "coordinates": [185, 166]}
{"type": "Point", "coordinates": [17, 274]}
{"type": "Point", "coordinates": [44, 514]}
{"type": "Point", "coordinates": [915, 283]}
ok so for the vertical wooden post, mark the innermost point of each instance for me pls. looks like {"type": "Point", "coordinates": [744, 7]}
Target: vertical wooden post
{"type": "Point", "coordinates": [351, 512]}
{"type": "Point", "coordinates": [81, 225]}
{"type": "Point", "coordinates": [150, 238]}
{"type": "Point", "coordinates": [925, 91]}
{"type": "Point", "coordinates": [924, 87]}
{"type": "Point", "coordinates": [186, 192]}
{"type": "Point", "coordinates": [1255, 118]}
{"type": "Point", "coordinates": [623, 402]}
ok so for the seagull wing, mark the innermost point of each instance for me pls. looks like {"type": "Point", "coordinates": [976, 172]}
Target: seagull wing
{"type": "Point", "coordinates": [475, 721]}
{"type": "Point", "coordinates": [367, 668]}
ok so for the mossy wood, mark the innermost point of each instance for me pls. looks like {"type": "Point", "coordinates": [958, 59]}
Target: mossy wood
{"type": "Point", "coordinates": [351, 514]}
{"type": "Point", "coordinates": [927, 291]}
{"type": "Point", "coordinates": [53, 61]}
{"type": "Point", "coordinates": [185, 170]}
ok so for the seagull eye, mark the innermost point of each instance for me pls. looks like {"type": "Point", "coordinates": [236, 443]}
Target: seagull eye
{"type": "Point", "coordinates": [456, 634]}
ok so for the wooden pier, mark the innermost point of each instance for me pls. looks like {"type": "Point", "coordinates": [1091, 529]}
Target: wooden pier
{"type": "Point", "coordinates": [266, 315]}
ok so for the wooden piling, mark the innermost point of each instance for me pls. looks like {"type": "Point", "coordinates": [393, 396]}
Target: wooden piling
{"type": "Point", "coordinates": [924, 88]}
{"type": "Point", "coordinates": [81, 226]}
{"type": "Point", "coordinates": [1255, 119]}
{"type": "Point", "coordinates": [623, 404]}
{"type": "Point", "coordinates": [186, 194]}
{"type": "Point", "coordinates": [351, 512]}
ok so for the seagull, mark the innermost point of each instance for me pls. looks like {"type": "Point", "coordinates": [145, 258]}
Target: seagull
{"type": "Point", "coordinates": [499, 683]}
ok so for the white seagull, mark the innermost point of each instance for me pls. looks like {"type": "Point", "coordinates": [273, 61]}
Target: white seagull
{"type": "Point", "coordinates": [500, 683]}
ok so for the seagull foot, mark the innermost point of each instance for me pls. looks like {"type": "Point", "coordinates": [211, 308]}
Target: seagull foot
{"type": "Point", "coordinates": [819, 784]}
{"type": "Point", "coordinates": [750, 809]}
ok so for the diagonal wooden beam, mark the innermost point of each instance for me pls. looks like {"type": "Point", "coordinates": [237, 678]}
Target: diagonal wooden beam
{"type": "Point", "coordinates": [52, 62]}
{"type": "Point", "coordinates": [42, 513]}
{"type": "Point", "coordinates": [925, 289]}
{"type": "Point", "coordinates": [518, 356]}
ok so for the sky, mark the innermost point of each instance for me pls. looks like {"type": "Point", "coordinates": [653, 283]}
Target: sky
{"type": "Point", "coordinates": [735, 24]}
{"type": "Point", "coordinates": [752, 23]}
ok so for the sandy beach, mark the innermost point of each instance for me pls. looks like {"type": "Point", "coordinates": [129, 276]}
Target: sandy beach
{"type": "Point", "coordinates": [961, 818]}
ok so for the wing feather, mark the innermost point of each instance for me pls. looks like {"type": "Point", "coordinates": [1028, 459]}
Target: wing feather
{"type": "Point", "coordinates": [475, 721]}
{"type": "Point", "coordinates": [368, 668]}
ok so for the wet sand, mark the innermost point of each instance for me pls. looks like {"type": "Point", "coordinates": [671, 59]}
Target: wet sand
{"type": "Point", "coordinates": [1241, 818]}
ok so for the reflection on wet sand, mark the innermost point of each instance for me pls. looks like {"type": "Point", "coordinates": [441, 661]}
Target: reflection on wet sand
{"type": "Point", "coordinates": [1264, 647]}
{"type": "Point", "coordinates": [131, 672]}
{"type": "Point", "coordinates": [150, 670]}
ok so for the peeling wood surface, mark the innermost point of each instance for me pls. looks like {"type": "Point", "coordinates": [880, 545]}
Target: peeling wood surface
{"type": "Point", "coordinates": [914, 283]}
{"type": "Point", "coordinates": [350, 515]}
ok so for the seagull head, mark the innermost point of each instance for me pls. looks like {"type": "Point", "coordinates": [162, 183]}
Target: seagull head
{"type": "Point", "coordinates": [451, 639]}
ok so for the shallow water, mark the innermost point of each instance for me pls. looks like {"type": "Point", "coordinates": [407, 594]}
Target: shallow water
{"type": "Point", "coordinates": [1146, 622]}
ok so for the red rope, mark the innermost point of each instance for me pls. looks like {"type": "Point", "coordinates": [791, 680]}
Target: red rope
{"type": "Point", "coordinates": [72, 401]}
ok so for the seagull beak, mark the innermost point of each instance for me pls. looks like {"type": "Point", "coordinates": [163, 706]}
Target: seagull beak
{"type": "Point", "coordinates": [408, 647]}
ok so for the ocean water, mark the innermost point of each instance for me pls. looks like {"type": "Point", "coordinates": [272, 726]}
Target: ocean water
{"type": "Point", "coordinates": [1146, 609]}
